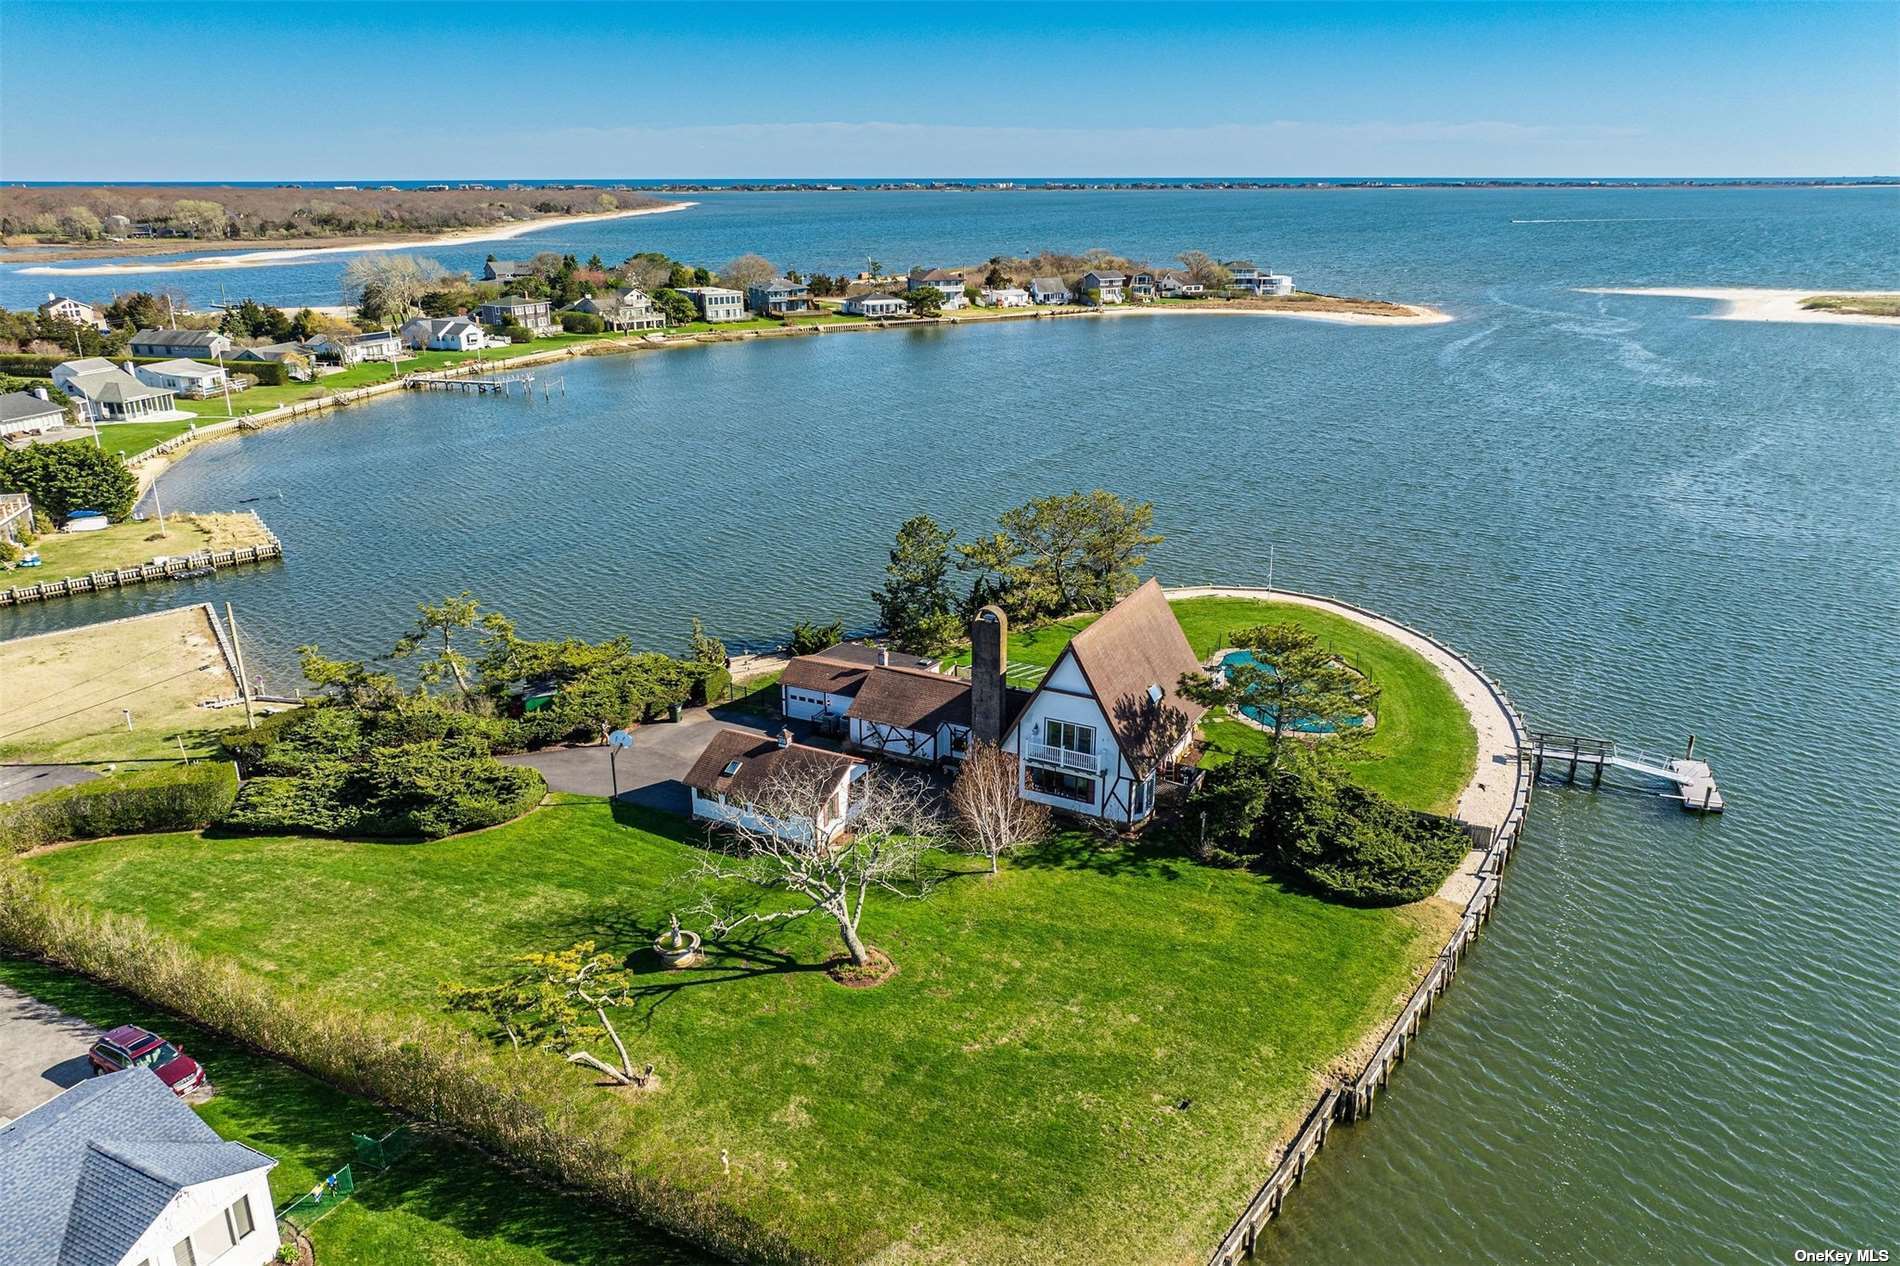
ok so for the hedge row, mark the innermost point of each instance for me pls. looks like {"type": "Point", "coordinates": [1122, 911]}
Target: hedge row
{"type": "Point", "coordinates": [170, 798]}
{"type": "Point", "coordinates": [267, 372]}
{"type": "Point", "coordinates": [523, 1105]}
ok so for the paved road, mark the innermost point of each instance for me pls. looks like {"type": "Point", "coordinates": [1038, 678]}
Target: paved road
{"type": "Point", "coordinates": [45, 1052]}
{"type": "Point", "coordinates": [649, 773]}
{"type": "Point", "coordinates": [24, 780]}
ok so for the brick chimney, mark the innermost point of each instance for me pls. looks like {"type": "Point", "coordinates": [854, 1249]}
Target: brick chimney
{"type": "Point", "coordinates": [989, 654]}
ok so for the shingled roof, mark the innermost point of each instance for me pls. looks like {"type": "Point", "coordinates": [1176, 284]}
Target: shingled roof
{"type": "Point", "coordinates": [1138, 644]}
{"type": "Point", "coordinates": [911, 699]}
{"type": "Point", "coordinates": [759, 759]}
{"type": "Point", "coordinates": [840, 669]}
{"type": "Point", "coordinates": [84, 1175]}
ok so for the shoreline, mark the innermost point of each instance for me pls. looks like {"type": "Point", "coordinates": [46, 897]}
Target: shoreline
{"type": "Point", "coordinates": [154, 462]}
{"type": "Point", "coordinates": [1749, 303]}
{"type": "Point", "coordinates": [265, 256]}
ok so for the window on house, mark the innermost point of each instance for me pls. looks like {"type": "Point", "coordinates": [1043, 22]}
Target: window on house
{"type": "Point", "coordinates": [214, 1239]}
{"type": "Point", "coordinates": [1052, 782]}
{"type": "Point", "coordinates": [242, 1223]}
{"type": "Point", "coordinates": [182, 1254]}
{"type": "Point", "coordinates": [1071, 737]}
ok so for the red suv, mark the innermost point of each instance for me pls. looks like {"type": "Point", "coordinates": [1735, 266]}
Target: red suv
{"type": "Point", "coordinates": [129, 1046]}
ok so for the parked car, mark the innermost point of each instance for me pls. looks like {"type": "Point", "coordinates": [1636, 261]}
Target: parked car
{"type": "Point", "coordinates": [130, 1046]}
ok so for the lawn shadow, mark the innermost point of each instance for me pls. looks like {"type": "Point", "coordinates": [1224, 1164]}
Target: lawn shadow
{"type": "Point", "coordinates": [1154, 854]}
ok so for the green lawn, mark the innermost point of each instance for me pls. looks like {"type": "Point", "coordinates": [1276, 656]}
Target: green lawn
{"type": "Point", "coordinates": [129, 544]}
{"type": "Point", "coordinates": [135, 437]}
{"type": "Point", "coordinates": [1423, 750]}
{"type": "Point", "coordinates": [1086, 1058]}
{"type": "Point", "coordinates": [441, 1204]}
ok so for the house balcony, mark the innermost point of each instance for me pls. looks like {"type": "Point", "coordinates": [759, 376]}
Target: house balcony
{"type": "Point", "coordinates": [1060, 758]}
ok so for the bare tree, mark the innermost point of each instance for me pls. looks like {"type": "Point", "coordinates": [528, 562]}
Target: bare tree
{"type": "Point", "coordinates": [748, 270]}
{"type": "Point", "coordinates": [784, 844]}
{"type": "Point", "coordinates": [1204, 269]}
{"type": "Point", "coordinates": [546, 1003]}
{"type": "Point", "coordinates": [991, 817]}
{"type": "Point", "coordinates": [390, 287]}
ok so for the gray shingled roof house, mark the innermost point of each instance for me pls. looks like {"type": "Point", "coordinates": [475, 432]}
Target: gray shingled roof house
{"type": "Point", "coordinates": [118, 1171]}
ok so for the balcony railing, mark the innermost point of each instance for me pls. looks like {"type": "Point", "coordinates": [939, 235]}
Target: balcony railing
{"type": "Point", "coordinates": [1060, 758]}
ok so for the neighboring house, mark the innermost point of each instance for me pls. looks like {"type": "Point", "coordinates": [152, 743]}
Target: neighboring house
{"type": "Point", "coordinates": [1004, 297]}
{"type": "Point", "coordinates": [356, 349]}
{"type": "Point", "coordinates": [780, 296]}
{"type": "Point", "coordinates": [1048, 290]}
{"type": "Point", "coordinates": [16, 515]}
{"type": "Point", "coordinates": [1110, 286]}
{"type": "Point", "coordinates": [950, 285]}
{"type": "Point", "coordinates": [821, 686]}
{"type": "Point", "coordinates": [876, 305]}
{"type": "Point", "coordinates": [1108, 714]}
{"type": "Point", "coordinates": [1141, 286]}
{"type": "Point", "coordinates": [1175, 286]}
{"type": "Point", "coordinates": [507, 270]}
{"type": "Point", "coordinates": [738, 766]}
{"type": "Point", "coordinates": [191, 378]}
{"type": "Point", "coordinates": [716, 303]}
{"type": "Point", "coordinates": [444, 334]}
{"type": "Point", "coordinates": [536, 314]}
{"type": "Point", "coordinates": [29, 413]}
{"type": "Point", "coordinates": [107, 393]}
{"type": "Point", "coordinates": [61, 308]}
{"type": "Point", "coordinates": [118, 1171]}
{"type": "Point", "coordinates": [190, 344]}
{"type": "Point", "coordinates": [295, 357]}
{"type": "Point", "coordinates": [1259, 281]}
{"type": "Point", "coordinates": [629, 309]}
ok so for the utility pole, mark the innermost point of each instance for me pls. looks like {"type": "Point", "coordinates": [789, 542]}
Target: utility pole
{"type": "Point", "coordinates": [244, 684]}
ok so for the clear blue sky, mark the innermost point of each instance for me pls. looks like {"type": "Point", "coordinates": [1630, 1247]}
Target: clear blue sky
{"type": "Point", "coordinates": [413, 91]}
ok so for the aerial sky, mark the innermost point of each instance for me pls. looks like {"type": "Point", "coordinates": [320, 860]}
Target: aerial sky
{"type": "Point", "coordinates": [466, 89]}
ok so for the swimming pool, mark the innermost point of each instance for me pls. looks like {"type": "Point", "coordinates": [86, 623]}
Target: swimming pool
{"type": "Point", "coordinates": [1263, 713]}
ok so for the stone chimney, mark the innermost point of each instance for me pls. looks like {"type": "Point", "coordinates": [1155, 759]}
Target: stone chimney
{"type": "Point", "coordinates": [785, 737]}
{"type": "Point", "coordinates": [989, 655]}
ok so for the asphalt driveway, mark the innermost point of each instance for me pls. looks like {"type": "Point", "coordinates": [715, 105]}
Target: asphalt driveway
{"type": "Point", "coordinates": [649, 772]}
{"type": "Point", "coordinates": [17, 781]}
{"type": "Point", "coordinates": [45, 1052]}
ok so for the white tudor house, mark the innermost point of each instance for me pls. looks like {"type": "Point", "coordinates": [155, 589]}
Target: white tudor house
{"type": "Point", "coordinates": [1093, 735]}
{"type": "Point", "coordinates": [739, 765]}
{"type": "Point", "coordinates": [118, 1171]}
{"type": "Point", "coordinates": [1090, 740]}
{"type": "Point", "coordinates": [185, 377]}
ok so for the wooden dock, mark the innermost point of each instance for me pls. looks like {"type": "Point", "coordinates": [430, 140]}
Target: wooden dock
{"type": "Point", "coordinates": [177, 567]}
{"type": "Point", "coordinates": [503, 383]}
{"type": "Point", "coordinates": [1693, 779]}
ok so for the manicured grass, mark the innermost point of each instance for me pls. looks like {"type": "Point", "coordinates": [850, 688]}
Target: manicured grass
{"type": "Point", "coordinates": [1086, 1058]}
{"type": "Point", "coordinates": [134, 438]}
{"type": "Point", "coordinates": [1423, 749]}
{"type": "Point", "coordinates": [441, 1203]}
{"type": "Point", "coordinates": [128, 544]}
{"type": "Point", "coordinates": [1855, 305]}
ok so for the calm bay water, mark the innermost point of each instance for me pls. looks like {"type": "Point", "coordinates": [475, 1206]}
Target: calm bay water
{"type": "Point", "coordinates": [1677, 1040]}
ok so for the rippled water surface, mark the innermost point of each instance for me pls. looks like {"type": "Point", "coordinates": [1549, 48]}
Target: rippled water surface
{"type": "Point", "coordinates": [1676, 1042]}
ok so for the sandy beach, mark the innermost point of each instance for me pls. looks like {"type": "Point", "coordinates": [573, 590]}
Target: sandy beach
{"type": "Point", "coordinates": [1417, 314]}
{"type": "Point", "coordinates": [1740, 303]}
{"type": "Point", "coordinates": [299, 254]}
